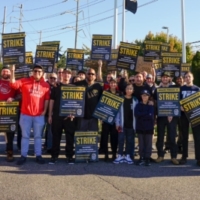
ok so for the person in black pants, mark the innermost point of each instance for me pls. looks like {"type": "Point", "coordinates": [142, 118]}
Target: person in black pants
{"type": "Point", "coordinates": [110, 129]}
{"type": "Point", "coordinates": [187, 90]}
{"type": "Point", "coordinates": [59, 123]}
{"type": "Point", "coordinates": [169, 122]}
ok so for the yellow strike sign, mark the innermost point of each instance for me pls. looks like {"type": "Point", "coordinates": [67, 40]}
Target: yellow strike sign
{"type": "Point", "coordinates": [168, 96]}
{"type": "Point", "coordinates": [8, 111]}
{"type": "Point", "coordinates": [72, 95]}
{"type": "Point", "coordinates": [86, 140]}
{"type": "Point", "coordinates": [129, 52]}
{"type": "Point", "coordinates": [110, 102]}
{"type": "Point", "coordinates": [45, 54]}
{"type": "Point", "coordinates": [75, 55]}
{"type": "Point", "coordinates": [191, 105]}
{"type": "Point", "coordinates": [13, 43]}
{"type": "Point", "coordinates": [171, 60]}
{"type": "Point", "coordinates": [152, 47]}
{"type": "Point", "coordinates": [106, 43]}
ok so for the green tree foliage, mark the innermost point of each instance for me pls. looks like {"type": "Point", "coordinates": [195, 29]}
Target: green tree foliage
{"type": "Point", "coordinates": [196, 68]}
{"type": "Point", "coordinates": [62, 59]}
{"type": "Point", "coordinates": [175, 43]}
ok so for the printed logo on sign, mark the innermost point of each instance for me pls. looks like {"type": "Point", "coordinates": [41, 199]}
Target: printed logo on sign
{"type": "Point", "coordinates": [176, 111]}
{"type": "Point", "coordinates": [13, 127]}
{"type": "Point", "coordinates": [79, 67]}
{"type": "Point", "coordinates": [50, 69]}
{"type": "Point", "coordinates": [107, 57]}
{"type": "Point", "coordinates": [132, 67]}
{"type": "Point", "coordinates": [79, 111]}
{"type": "Point", "coordinates": [176, 74]}
{"type": "Point", "coordinates": [93, 156]}
{"type": "Point", "coordinates": [110, 119]}
{"type": "Point", "coordinates": [21, 59]}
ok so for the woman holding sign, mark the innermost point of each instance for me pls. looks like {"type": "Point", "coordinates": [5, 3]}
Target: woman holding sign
{"type": "Point", "coordinates": [186, 90]}
{"type": "Point", "coordinates": [110, 129]}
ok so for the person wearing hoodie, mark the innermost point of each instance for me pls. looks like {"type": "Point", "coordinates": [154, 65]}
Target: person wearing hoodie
{"type": "Point", "coordinates": [35, 99]}
{"type": "Point", "coordinates": [7, 94]}
{"type": "Point", "coordinates": [125, 124]}
{"type": "Point", "coordinates": [144, 113]}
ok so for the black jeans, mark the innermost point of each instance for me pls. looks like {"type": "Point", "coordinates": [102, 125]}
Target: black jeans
{"type": "Point", "coordinates": [162, 122]}
{"type": "Point", "coordinates": [106, 130]}
{"type": "Point", "coordinates": [185, 134]}
{"type": "Point", "coordinates": [58, 124]}
{"type": "Point", "coordinates": [196, 135]}
{"type": "Point", "coordinates": [9, 144]}
{"type": "Point", "coordinates": [145, 145]}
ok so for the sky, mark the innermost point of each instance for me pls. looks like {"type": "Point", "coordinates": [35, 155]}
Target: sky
{"type": "Point", "coordinates": [56, 19]}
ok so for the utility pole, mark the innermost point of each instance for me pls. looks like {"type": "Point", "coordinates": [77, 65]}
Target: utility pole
{"type": "Point", "coordinates": [115, 25]}
{"type": "Point", "coordinates": [40, 38]}
{"type": "Point", "coordinates": [123, 20]}
{"type": "Point", "coordinates": [183, 31]}
{"type": "Point", "coordinates": [3, 30]}
{"type": "Point", "coordinates": [20, 18]}
{"type": "Point", "coordinates": [76, 29]}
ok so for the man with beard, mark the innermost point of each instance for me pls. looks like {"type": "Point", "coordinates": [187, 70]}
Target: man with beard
{"type": "Point", "coordinates": [35, 100]}
{"type": "Point", "coordinates": [93, 94]}
{"type": "Point", "coordinates": [7, 94]}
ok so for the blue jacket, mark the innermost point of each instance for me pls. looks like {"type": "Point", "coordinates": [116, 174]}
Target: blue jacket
{"type": "Point", "coordinates": [120, 116]}
{"type": "Point", "coordinates": [144, 114]}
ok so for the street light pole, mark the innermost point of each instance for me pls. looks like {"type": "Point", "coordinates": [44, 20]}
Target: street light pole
{"type": "Point", "coordinates": [123, 20]}
{"type": "Point", "coordinates": [165, 27]}
{"type": "Point", "coordinates": [115, 25]}
{"type": "Point", "coordinates": [76, 30]}
{"type": "Point", "coordinates": [183, 31]}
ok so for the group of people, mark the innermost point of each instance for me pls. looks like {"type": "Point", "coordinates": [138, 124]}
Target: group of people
{"type": "Point", "coordinates": [40, 106]}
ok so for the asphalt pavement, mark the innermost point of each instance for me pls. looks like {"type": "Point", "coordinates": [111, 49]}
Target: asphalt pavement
{"type": "Point", "coordinates": [97, 181]}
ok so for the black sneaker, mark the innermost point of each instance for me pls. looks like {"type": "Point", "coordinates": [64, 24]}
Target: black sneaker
{"type": "Point", "coordinates": [147, 162]}
{"type": "Point", "coordinates": [40, 160]}
{"type": "Point", "coordinates": [70, 161]}
{"type": "Point", "coordinates": [183, 161]}
{"type": "Point", "coordinates": [140, 162]}
{"type": "Point", "coordinates": [53, 161]}
{"type": "Point", "coordinates": [198, 163]}
{"type": "Point", "coordinates": [21, 161]}
{"type": "Point", "coordinates": [106, 158]}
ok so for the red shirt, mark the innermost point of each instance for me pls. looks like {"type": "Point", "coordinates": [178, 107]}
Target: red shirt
{"type": "Point", "coordinates": [6, 91]}
{"type": "Point", "coordinates": [34, 95]}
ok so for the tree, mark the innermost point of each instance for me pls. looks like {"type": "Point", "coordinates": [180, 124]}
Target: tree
{"type": "Point", "coordinates": [175, 44]}
{"type": "Point", "coordinates": [62, 60]}
{"type": "Point", "coordinates": [196, 68]}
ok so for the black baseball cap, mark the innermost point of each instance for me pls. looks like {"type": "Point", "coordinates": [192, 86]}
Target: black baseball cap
{"type": "Point", "coordinates": [145, 92]}
{"type": "Point", "coordinates": [37, 66]}
{"type": "Point", "coordinates": [81, 72]}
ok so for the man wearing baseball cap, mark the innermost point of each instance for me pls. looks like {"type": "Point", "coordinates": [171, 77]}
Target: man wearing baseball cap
{"type": "Point", "coordinates": [58, 123]}
{"type": "Point", "coordinates": [35, 100]}
{"type": "Point", "coordinates": [163, 122]}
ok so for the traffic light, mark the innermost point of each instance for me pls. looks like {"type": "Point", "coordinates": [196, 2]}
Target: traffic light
{"type": "Point", "coordinates": [131, 5]}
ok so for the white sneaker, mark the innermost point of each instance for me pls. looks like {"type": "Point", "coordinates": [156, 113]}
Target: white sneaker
{"type": "Point", "coordinates": [128, 159]}
{"type": "Point", "coordinates": [119, 159]}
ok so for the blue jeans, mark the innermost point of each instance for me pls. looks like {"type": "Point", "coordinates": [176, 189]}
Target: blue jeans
{"type": "Point", "coordinates": [37, 123]}
{"type": "Point", "coordinates": [130, 143]}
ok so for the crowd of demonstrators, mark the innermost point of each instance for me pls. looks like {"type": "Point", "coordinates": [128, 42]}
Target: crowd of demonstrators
{"type": "Point", "coordinates": [40, 105]}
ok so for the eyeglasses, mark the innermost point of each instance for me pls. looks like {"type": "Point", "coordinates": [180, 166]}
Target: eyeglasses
{"type": "Point", "coordinates": [37, 71]}
{"type": "Point", "coordinates": [53, 78]}
{"type": "Point", "coordinates": [131, 80]}
{"type": "Point", "coordinates": [60, 72]}
{"type": "Point", "coordinates": [92, 74]}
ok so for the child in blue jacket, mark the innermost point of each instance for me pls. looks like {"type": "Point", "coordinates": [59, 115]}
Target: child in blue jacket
{"type": "Point", "coordinates": [144, 113]}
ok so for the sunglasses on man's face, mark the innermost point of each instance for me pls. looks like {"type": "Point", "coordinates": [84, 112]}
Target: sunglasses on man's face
{"type": "Point", "coordinates": [131, 80]}
{"type": "Point", "coordinates": [90, 74]}
{"type": "Point", "coordinates": [53, 78]}
{"type": "Point", "coordinates": [60, 72]}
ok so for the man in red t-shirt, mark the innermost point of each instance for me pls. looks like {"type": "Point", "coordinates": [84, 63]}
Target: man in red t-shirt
{"type": "Point", "coordinates": [35, 98]}
{"type": "Point", "coordinates": [7, 94]}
